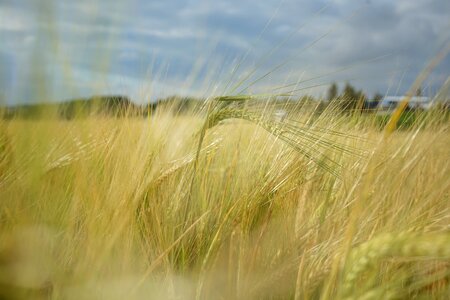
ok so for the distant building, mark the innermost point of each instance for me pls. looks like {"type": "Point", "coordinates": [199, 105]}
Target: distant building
{"type": "Point", "coordinates": [391, 102]}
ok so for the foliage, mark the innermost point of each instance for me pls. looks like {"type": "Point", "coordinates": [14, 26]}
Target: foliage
{"type": "Point", "coordinates": [351, 99]}
{"type": "Point", "coordinates": [332, 92]}
{"type": "Point", "coordinates": [377, 98]}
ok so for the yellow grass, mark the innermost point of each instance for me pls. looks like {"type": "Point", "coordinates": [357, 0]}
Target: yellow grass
{"type": "Point", "coordinates": [106, 208]}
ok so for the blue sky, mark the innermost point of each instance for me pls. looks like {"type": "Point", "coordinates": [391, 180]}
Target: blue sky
{"type": "Point", "coordinates": [56, 50]}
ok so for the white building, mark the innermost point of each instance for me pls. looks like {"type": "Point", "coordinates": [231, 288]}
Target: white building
{"type": "Point", "coordinates": [391, 102]}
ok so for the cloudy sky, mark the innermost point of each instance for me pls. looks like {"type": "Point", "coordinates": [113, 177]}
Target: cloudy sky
{"type": "Point", "coordinates": [57, 50]}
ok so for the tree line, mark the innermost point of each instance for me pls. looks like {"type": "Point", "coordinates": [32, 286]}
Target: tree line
{"type": "Point", "coordinates": [351, 98]}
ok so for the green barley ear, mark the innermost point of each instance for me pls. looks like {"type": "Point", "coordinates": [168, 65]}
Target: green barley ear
{"type": "Point", "coordinates": [233, 98]}
{"type": "Point", "coordinates": [370, 254]}
{"type": "Point", "coordinates": [314, 143]}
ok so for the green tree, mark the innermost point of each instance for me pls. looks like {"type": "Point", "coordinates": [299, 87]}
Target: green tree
{"type": "Point", "coordinates": [377, 98]}
{"type": "Point", "coordinates": [348, 98]}
{"type": "Point", "coordinates": [332, 92]}
{"type": "Point", "coordinates": [351, 99]}
{"type": "Point", "coordinates": [419, 92]}
{"type": "Point", "coordinates": [360, 99]}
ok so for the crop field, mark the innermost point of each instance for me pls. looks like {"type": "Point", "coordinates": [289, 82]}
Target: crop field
{"type": "Point", "coordinates": [227, 202]}
{"type": "Point", "coordinates": [224, 150]}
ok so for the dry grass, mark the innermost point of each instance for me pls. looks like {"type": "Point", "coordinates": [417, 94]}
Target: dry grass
{"type": "Point", "coordinates": [129, 208]}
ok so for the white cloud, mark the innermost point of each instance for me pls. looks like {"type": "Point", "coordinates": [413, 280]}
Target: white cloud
{"type": "Point", "coordinates": [134, 35]}
{"type": "Point", "coordinates": [12, 19]}
{"type": "Point", "coordinates": [28, 40]}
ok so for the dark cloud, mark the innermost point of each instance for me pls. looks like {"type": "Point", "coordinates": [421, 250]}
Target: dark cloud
{"type": "Point", "coordinates": [183, 44]}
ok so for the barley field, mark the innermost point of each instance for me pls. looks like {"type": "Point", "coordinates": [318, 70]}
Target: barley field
{"type": "Point", "coordinates": [191, 150]}
{"type": "Point", "coordinates": [224, 203]}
